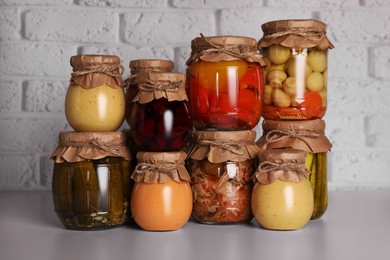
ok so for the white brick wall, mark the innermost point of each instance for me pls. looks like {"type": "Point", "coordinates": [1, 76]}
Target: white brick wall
{"type": "Point", "coordinates": [37, 38]}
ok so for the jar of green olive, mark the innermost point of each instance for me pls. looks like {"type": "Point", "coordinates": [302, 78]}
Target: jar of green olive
{"type": "Point", "coordinates": [296, 54]}
{"type": "Point", "coordinates": [309, 136]}
{"type": "Point", "coordinates": [91, 179]}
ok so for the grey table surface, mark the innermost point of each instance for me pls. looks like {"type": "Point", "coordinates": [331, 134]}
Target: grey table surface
{"type": "Point", "coordinates": [355, 226]}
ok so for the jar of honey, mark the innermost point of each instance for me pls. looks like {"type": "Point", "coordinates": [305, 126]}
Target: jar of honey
{"type": "Point", "coordinates": [95, 99]}
{"type": "Point", "coordinates": [91, 179]}
{"type": "Point", "coordinates": [139, 66]}
{"type": "Point", "coordinates": [221, 165]}
{"type": "Point", "coordinates": [307, 135]}
{"type": "Point", "coordinates": [161, 198]}
{"type": "Point", "coordinates": [282, 198]}
{"type": "Point", "coordinates": [296, 54]}
{"type": "Point", "coordinates": [224, 81]}
{"type": "Point", "coordinates": [160, 119]}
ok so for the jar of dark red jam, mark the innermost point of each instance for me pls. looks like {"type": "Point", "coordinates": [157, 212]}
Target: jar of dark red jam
{"type": "Point", "coordinates": [225, 85]}
{"type": "Point", "coordinates": [139, 66]}
{"type": "Point", "coordinates": [160, 119]}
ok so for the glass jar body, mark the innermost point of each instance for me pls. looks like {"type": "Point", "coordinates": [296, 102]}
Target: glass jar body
{"type": "Point", "coordinates": [316, 163]}
{"type": "Point", "coordinates": [282, 205]}
{"type": "Point", "coordinates": [91, 194]}
{"type": "Point", "coordinates": [160, 125]}
{"type": "Point", "coordinates": [295, 83]}
{"type": "Point", "coordinates": [161, 206]}
{"type": "Point", "coordinates": [222, 191]}
{"type": "Point", "coordinates": [225, 95]}
{"type": "Point", "coordinates": [97, 109]}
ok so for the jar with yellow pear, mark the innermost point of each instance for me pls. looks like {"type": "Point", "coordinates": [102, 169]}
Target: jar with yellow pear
{"type": "Point", "coordinates": [296, 54]}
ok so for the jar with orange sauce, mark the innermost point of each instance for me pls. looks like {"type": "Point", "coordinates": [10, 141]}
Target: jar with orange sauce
{"type": "Point", "coordinates": [224, 82]}
{"type": "Point", "coordinates": [161, 198]}
{"type": "Point", "coordinates": [95, 99]}
{"type": "Point", "coordinates": [296, 54]}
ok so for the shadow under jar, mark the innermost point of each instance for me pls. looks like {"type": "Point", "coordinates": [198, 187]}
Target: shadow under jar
{"type": "Point", "coordinates": [224, 81]}
{"type": "Point", "coordinates": [160, 119]}
{"type": "Point", "coordinates": [91, 188]}
{"type": "Point", "coordinates": [296, 54]}
{"type": "Point", "coordinates": [221, 166]}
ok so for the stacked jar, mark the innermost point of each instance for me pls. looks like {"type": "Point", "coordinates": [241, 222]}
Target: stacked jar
{"type": "Point", "coordinates": [160, 125]}
{"type": "Point", "coordinates": [91, 175]}
{"type": "Point", "coordinates": [225, 86]}
{"type": "Point", "coordinates": [295, 100]}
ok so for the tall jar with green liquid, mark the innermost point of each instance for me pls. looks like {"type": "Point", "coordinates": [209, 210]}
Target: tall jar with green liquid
{"type": "Point", "coordinates": [307, 135]}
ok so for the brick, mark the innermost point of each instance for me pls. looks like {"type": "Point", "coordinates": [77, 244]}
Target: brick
{"type": "Point", "coordinates": [376, 3]}
{"type": "Point", "coordinates": [366, 26]}
{"type": "Point", "coordinates": [35, 2]}
{"type": "Point", "coordinates": [9, 24]}
{"type": "Point", "coordinates": [128, 53]}
{"type": "Point", "coordinates": [10, 96]}
{"type": "Point", "coordinates": [71, 25]}
{"type": "Point", "coordinates": [345, 132]}
{"type": "Point", "coordinates": [215, 3]}
{"type": "Point", "coordinates": [310, 3]}
{"type": "Point", "coordinates": [360, 168]}
{"type": "Point", "coordinates": [247, 22]}
{"type": "Point", "coordinates": [36, 59]}
{"type": "Point", "coordinates": [377, 132]}
{"type": "Point", "coordinates": [46, 171]}
{"type": "Point", "coordinates": [124, 3]}
{"type": "Point", "coordinates": [380, 62]}
{"type": "Point", "coordinates": [31, 134]}
{"type": "Point", "coordinates": [166, 28]}
{"type": "Point", "coordinates": [17, 171]}
{"type": "Point", "coordinates": [45, 95]}
{"type": "Point", "coordinates": [182, 55]}
{"type": "Point", "coordinates": [348, 61]}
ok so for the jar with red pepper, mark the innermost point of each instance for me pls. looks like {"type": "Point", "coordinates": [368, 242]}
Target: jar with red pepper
{"type": "Point", "coordinates": [225, 85]}
{"type": "Point", "coordinates": [160, 119]}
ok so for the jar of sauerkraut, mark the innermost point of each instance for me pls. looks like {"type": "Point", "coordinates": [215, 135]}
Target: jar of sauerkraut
{"type": "Point", "coordinates": [221, 166]}
{"type": "Point", "coordinates": [224, 81]}
{"type": "Point", "coordinates": [296, 54]}
{"type": "Point", "coordinates": [95, 99]}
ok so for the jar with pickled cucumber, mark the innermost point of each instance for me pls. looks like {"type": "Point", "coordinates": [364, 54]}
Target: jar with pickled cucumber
{"type": "Point", "coordinates": [224, 81]}
{"type": "Point", "coordinates": [91, 179]}
{"type": "Point", "coordinates": [296, 72]}
{"type": "Point", "coordinates": [139, 66]}
{"type": "Point", "coordinates": [95, 99]}
{"type": "Point", "coordinates": [221, 166]}
{"type": "Point", "coordinates": [307, 135]}
{"type": "Point", "coordinates": [161, 198]}
{"type": "Point", "coordinates": [282, 197]}
{"type": "Point", "coordinates": [160, 119]}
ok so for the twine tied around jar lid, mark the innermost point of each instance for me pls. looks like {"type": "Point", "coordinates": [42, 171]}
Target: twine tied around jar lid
{"type": "Point", "coordinates": [284, 164]}
{"type": "Point", "coordinates": [94, 70]}
{"type": "Point", "coordinates": [224, 48]}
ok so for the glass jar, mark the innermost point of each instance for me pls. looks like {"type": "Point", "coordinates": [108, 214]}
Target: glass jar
{"type": "Point", "coordinates": [91, 179]}
{"type": "Point", "coordinates": [139, 66]}
{"type": "Point", "coordinates": [95, 99]}
{"type": "Point", "coordinates": [307, 135]}
{"type": "Point", "coordinates": [282, 198]}
{"type": "Point", "coordinates": [221, 166]}
{"type": "Point", "coordinates": [161, 198]}
{"type": "Point", "coordinates": [224, 81]}
{"type": "Point", "coordinates": [296, 54]}
{"type": "Point", "coordinates": [160, 120]}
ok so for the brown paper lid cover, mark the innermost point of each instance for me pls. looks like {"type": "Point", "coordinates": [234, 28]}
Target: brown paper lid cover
{"type": "Point", "coordinates": [91, 71]}
{"type": "Point", "coordinates": [224, 48]}
{"type": "Point", "coordinates": [305, 33]}
{"type": "Point", "coordinates": [81, 146]}
{"type": "Point", "coordinates": [223, 146]}
{"type": "Point", "coordinates": [283, 164]}
{"type": "Point", "coordinates": [137, 66]}
{"type": "Point", "coordinates": [155, 85]}
{"type": "Point", "coordinates": [160, 167]}
{"type": "Point", "coordinates": [307, 135]}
